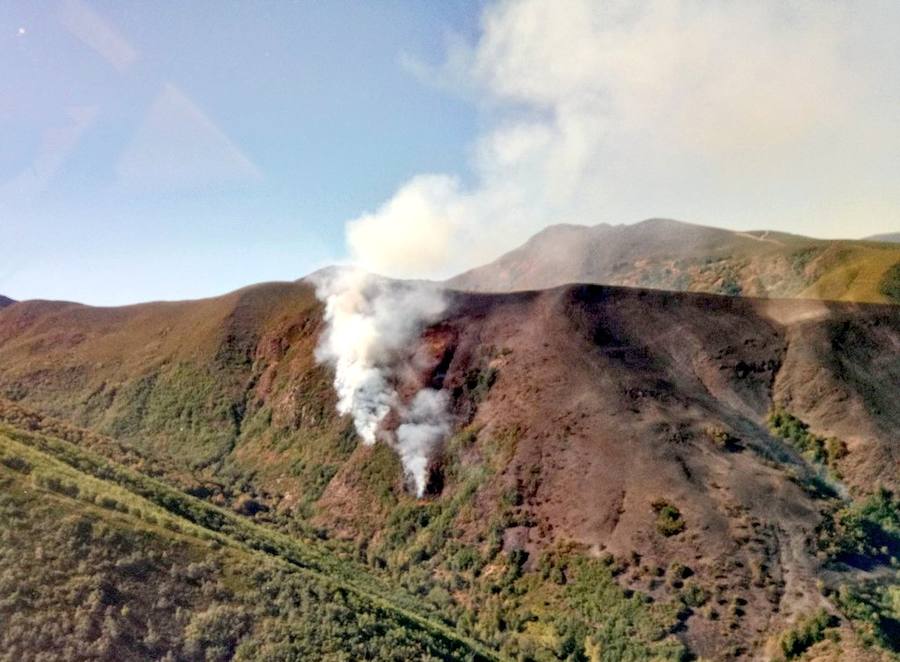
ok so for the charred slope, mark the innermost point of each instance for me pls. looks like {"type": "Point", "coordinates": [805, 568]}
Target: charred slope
{"type": "Point", "coordinates": [591, 421]}
{"type": "Point", "coordinates": [672, 255]}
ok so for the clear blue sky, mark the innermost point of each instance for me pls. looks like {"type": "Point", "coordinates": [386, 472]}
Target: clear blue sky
{"type": "Point", "coordinates": [182, 149]}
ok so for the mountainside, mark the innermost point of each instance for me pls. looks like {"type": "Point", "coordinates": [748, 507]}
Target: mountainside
{"type": "Point", "coordinates": [671, 255]}
{"type": "Point", "coordinates": [5, 301]}
{"type": "Point", "coordinates": [893, 237]}
{"type": "Point", "coordinates": [633, 474]}
{"type": "Point", "coordinates": [103, 563]}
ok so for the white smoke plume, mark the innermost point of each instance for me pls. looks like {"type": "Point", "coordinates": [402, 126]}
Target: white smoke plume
{"type": "Point", "coordinates": [774, 113]}
{"type": "Point", "coordinates": [373, 325]}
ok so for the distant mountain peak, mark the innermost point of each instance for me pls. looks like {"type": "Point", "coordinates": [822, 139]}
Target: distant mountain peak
{"type": "Point", "coordinates": [6, 301]}
{"type": "Point", "coordinates": [889, 237]}
{"type": "Point", "coordinates": [663, 253]}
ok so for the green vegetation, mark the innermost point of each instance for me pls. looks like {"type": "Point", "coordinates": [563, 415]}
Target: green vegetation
{"type": "Point", "coordinates": [864, 532]}
{"type": "Point", "coordinates": [807, 632]}
{"type": "Point", "coordinates": [479, 382]}
{"type": "Point", "coordinates": [731, 287]}
{"type": "Point", "coordinates": [669, 521]}
{"type": "Point", "coordinates": [51, 476]}
{"type": "Point", "coordinates": [796, 432]}
{"type": "Point", "coordinates": [240, 590]}
{"type": "Point", "coordinates": [721, 438]}
{"type": "Point", "coordinates": [801, 257]}
{"type": "Point", "coordinates": [594, 618]}
{"type": "Point", "coordinates": [874, 608]}
{"type": "Point", "coordinates": [890, 284]}
{"type": "Point", "coordinates": [454, 559]}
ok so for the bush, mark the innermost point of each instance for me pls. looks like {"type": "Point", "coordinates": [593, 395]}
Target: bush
{"type": "Point", "coordinates": [875, 609]}
{"type": "Point", "coordinates": [16, 464]}
{"type": "Point", "coordinates": [796, 432]}
{"type": "Point", "coordinates": [720, 437]}
{"type": "Point", "coordinates": [806, 633]}
{"type": "Point", "coordinates": [890, 284]}
{"type": "Point", "coordinates": [668, 518]}
{"type": "Point", "coordinates": [694, 595]}
{"type": "Point", "coordinates": [865, 531]}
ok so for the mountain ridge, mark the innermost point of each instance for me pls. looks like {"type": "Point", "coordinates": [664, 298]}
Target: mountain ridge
{"type": "Point", "coordinates": [672, 255]}
{"type": "Point", "coordinates": [893, 237]}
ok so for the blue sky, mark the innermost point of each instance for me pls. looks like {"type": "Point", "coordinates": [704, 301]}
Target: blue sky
{"type": "Point", "coordinates": [169, 149]}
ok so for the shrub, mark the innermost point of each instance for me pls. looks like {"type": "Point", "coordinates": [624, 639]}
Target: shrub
{"type": "Point", "coordinates": [796, 432]}
{"type": "Point", "coordinates": [806, 633]}
{"type": "Point", "coordinates": [866, 530]}
{"type": "Point", "coordinates": [17, 464]}
{"type": "Point", "coordinates": [720, 437]}
{"type": "Point", "coordinates": [479, 382]}
{"type": "Point", "coordinates": [57, 485]}
{"type": "Point", "coordinates": [890, 284]}
{"type": "Point", "coordinates": [668, 518]}
{"type": "Point", "coordinates": [875, 608]}
{"type": "Point", "coordinates": [835, 449]}
{"type": "Point", "coordinates": [694, 595]}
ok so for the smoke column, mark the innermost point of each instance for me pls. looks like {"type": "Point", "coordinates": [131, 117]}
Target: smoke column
{"type": "Point", "coordinates": [373, 325]}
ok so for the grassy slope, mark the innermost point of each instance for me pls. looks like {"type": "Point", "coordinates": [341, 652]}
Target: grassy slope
{"type": "Point", "coordinates": [136, 530]}
{"type": "Point", "coordinates": [52, 488]}
{"type": "Point", "coordinates": [857, 276]}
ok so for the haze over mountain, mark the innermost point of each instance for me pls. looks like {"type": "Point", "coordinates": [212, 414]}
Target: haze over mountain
{"type": "Point", "coordinates": [893, 237]}
{"type": "Point", "coordinates": [672, 255]}
{"type": "Point", "coordinates": [611, 464]}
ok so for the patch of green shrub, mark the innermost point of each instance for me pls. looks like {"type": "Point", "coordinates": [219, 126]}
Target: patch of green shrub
{"type": "Point", "coordinates": [807, 632]}
{"type": "Point", "coordinates": [874, 608]}
{"type": "Point", "coordinates": [890, 284]}
{"type": "Point", "coordinates": [863, 532]}
{"type": "Point", "coordinates": [16, 464]}
{"type": "Point", "coordinates": [669, 521]}
{"type": "Point", "coordinates": [796, 432]}
{"type": "Point", "coordinates": [720, 437]}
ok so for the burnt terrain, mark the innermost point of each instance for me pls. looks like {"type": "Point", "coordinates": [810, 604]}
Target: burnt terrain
{"type": "Point", "coordinates": [627, 427]}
